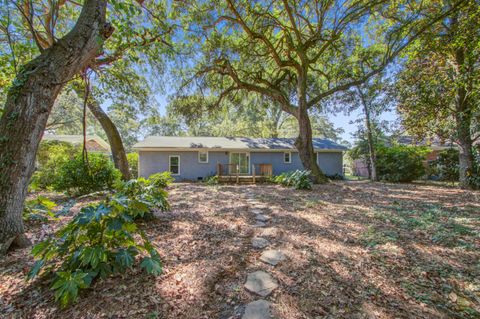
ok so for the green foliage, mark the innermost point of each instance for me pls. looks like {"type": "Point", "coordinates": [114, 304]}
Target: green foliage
{"type": "Point", "coordinates": [40, 208]}
{"type": "Point", "coordinates": [75, 176]}
{"type": "Point", "coordinates": [446, 166]}
{"type": "Point", "coordinates": [400, 163]}
{"type": "Point", "coordinates": [102, 240]}
{"type": "Point", "coordinates": [211, 180]}
{"type": "Point", "coordinates": [162, 179]}
{"type": "Point", "coordinates": [51, 156]}
{"type": "Point", "coordinates": [297, 179]}
{"type": "Point", "coordinates": [132, 159]}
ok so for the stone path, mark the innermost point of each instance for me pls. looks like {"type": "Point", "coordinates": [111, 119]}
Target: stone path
{"type": "Point", "coordinates": [260, 282]}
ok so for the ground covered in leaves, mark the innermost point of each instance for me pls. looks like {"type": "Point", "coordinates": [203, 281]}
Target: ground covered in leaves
{"type": "Point", "coordinates": [354, 250]}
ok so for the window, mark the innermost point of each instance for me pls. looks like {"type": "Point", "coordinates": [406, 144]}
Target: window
{"type": "Point", "coordinates": [174, 164]}
{"type": "Point", "coordinates": [203, 156]}
{"type": "Point", "coordinates": [287, 157]}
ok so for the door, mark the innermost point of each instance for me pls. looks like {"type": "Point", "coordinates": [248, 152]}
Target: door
{"type": "Point", "coordinates": [240, 159]}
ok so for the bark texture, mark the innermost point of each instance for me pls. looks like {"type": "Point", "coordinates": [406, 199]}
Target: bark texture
{"type": "Point", "coordinates": [463, 119]}
{"type": "Point", "coordinates": [372, 167]}
{"type": "Point", "coordinates": [28, 105]}
{"type": "Point", "coordinates": [114, 138]}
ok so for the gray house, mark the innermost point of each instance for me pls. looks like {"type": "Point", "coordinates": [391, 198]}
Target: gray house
{"type": "Point", "coordinates": [195, 158]}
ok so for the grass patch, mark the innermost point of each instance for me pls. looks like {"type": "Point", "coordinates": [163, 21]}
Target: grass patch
{"type": "Point", "coordinates": [445, 227]}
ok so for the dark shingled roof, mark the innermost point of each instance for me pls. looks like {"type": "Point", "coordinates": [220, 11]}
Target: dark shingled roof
{"type": "Point", "coordinates": [231, 143]}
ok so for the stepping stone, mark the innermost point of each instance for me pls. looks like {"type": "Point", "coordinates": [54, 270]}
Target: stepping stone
{"type": "Point", "coordinates": [267, 232]}
{"type": "Point", "coordinates": [272, 257]}
{"type": "Point", "coordinates": [260, 224]}
{"type": "Point", "coordinates": [262, 218]}
{"type": "Point", "coordinates": [258, 309]}
{"type": "Point", "coordinates": [257, 211]}
{"type": "Point", "coordinates": [259, 243]}
{"type": "Point", "coordinates": [260, 283]}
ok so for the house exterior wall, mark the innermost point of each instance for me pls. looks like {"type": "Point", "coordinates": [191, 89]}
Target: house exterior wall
{"type": "Point", "coordinates": [151, 162]}
{"type": "Point", "coordinates": [330, 163]}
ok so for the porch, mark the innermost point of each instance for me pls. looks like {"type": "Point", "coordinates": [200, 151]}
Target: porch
{"type": "Point", "coordinates": [236, 173]}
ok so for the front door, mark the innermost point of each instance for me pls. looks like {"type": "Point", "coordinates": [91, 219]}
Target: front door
{"type": "Point", "coordinates": [240, 160]}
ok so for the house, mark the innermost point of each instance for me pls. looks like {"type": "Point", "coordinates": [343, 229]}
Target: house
{"type": "Point", "coordinates": [94, 142]}
{"type": "Point", "coordinates": [195, 158]}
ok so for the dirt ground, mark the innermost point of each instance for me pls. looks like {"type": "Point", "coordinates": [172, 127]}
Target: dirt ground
{"type": "Point", "coordinates": [355, 250]}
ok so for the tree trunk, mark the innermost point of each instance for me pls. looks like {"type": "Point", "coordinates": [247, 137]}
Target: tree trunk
{"type": "Point", "coordinates": [29, 102]}
{"type": "Point", "coordinates": [304, 143]}
{"type": "Point", "coordinates": [305, 149]}
{"type": "Point", "coordinates": [463, 119]}
{"type": "Point", "coordinates": [114, 138]}
{"type": "Point", "coordinates": [372, 171]}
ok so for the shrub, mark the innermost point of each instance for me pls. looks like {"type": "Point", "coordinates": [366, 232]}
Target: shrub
{"type": "Point", "coordinates": [211, 180]}
{"type": "Point", "coordinates": [75, 176]}
{"type": "Point", "coordinates": [446, 167]}
{"type": "Point", "coordinates": [400, 163]}
{"type": "Point", "coordinates": [50, 157]}
{"type": "Point", "coordinates": [132, 159]}
{"type": "Point", "coordinates": [40, 209]}
{"type": "Point", "coordinates": [297, 179]}
{"type": "Point", "coordinates": [101, 241]}
{"type": "Point", "coordinates": [161, 179]}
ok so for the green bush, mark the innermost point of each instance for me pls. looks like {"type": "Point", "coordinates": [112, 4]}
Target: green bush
{"type": "Point", "coordinates": [132, 159]}
{"type": "Point", "coordinates": [101, 241]}
{"type": "Point", "coordinates": [297, 179]}
{"type": "Point", "coordinates": [40, 209]}
{"type": "Point", "coordinates": [161, 179]}
{"type": "Point", "coordinates": [75, 176]}
{"type": "Point", "coordinates": [446, 167]}
{"type": "Point", "coordinates": [50, 157]}
{"type": "Point", "coordinates": [211, 180]}
{"type": "Point", "coordinates": [400, 163]}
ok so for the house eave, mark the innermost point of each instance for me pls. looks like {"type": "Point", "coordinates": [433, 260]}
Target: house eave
{"type": "Point", "coordinates": [259, 150]}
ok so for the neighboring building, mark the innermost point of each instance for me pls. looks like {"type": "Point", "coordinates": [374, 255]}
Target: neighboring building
{"type": "Point", "coordinates": [435, 145]}
{"type": "Point", "coordinates": [94, 142]}
{"type": "Point", "coordinates": [195, 158]}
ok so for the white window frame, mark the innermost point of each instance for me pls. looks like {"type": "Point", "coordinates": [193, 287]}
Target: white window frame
{"type": "Point", "coordinates": [201, 152]}
{"type": "Point", "coordinates": [289, 157]}
{"type": "Point", "coordinates": [170, 164]}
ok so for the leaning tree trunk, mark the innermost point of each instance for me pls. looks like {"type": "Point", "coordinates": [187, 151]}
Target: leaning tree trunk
{"type": "Point", "coordinates": [29, 102]}
{"type": "Point", "coordinates": [114, 138]}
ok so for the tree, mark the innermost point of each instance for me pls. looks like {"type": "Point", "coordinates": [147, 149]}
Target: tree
{"type": "Point", "coordinates": [440, 84]}
{"type": "Point", "coordinates": [28, 105]}
{"type": "Point", "coordinates": [373, 97]}
{"type": "Point", "coordinates": [297, 53]}
{"type": "Point", "coordinates": [140, 35]}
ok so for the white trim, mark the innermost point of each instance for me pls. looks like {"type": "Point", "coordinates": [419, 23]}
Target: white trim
{"type": "Point", "coordinates": [248, 155]}
{"type": "Point", "coordinates": [236, 150]}
{"type": "Point", "coordinates": [169, 164]}
{"type": "Point", "coordinates": [198, 157]}
{"type": "Point", "coordinates": [289, 157]}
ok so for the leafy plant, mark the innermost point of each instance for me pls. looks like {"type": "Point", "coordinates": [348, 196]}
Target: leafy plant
{"type": "Point", "coordinates": [50, 158]}
{"type": "Point", "coordinates": [132, 159]}
{"type": "Point", "coordinates": [161, 179]}
{"type": "Point", "coordinates": [211, 180]}
{"type": "Point", "coordinates": [76, 176]}
{"type": "Point", "coordinates": [297, 179]}
{"type": "Point", "coordinates": [102, 240]}
{"type": "Point", "coordinates": [446, 167]}
{"type": "Point", "coordinates": [400, 163]}
{"type": "Point", "coordinates": [40, 208]}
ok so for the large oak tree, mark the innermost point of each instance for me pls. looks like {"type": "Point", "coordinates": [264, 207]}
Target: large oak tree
{"type": "Point", "coordinates": [28, 105]}
{"type": "Point", "coordinates": [296, 53]}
